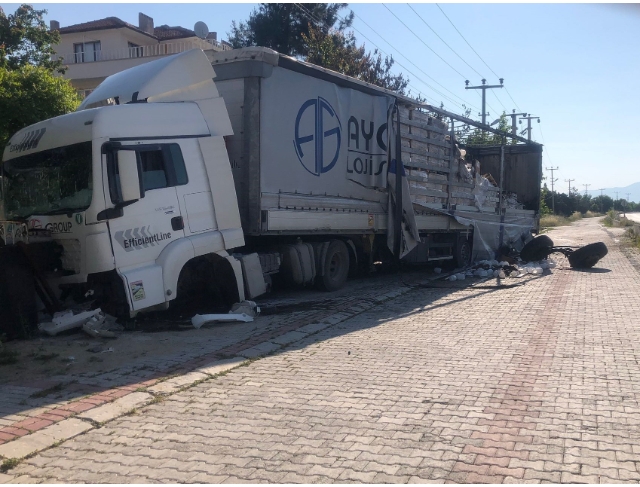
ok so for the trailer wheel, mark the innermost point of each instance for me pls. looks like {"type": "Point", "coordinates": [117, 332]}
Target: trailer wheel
{"type": "Point", "coordinates": [462, 256]}
{"type": "Point", "coordinates": [588, 256]}
{"type": "Point", "coordinates": [537, 249]}
{"type": "Point", "coordinates": [335, 267]}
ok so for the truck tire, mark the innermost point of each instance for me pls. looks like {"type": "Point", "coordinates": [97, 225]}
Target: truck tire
{"type": "Point", "coordinates": [335, 267]}
{"type": "Point", "coordinates": [537, 249]}
{"type": "Point", "coordinates": [587, 256]}
{"type": "Point", "coordinates": [462, 256]}
{"type": "Point", "coordinates": [18, 310]}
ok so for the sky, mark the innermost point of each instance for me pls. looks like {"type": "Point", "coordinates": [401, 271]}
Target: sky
{"type": "Point", "coordinates": [573, 65]}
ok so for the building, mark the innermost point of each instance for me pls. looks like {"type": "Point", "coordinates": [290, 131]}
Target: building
{"type": "Point", "coordinates": [99, 48]}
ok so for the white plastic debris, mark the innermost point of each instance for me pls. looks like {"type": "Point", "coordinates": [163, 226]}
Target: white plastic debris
{"type": "Point", "coordinates": [460, 276]}
{"type": "Point", "coordinates": [501, 274]}
{"type": "Point", "coordinates": [66, 320]}
{"type": "Point", "coordinates": [198, 320]}
{"type": "Point", "coordinates": [452, 278]}
{"type": "Point", "coordinates": [249, 308]}
{"type": "Point", "coordinates": [437, 270]}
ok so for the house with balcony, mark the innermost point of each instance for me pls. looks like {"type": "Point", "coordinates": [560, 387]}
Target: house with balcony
{"type": "Point", "coordinates": [99, 48]}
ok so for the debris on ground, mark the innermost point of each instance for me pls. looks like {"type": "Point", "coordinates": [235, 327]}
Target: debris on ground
{"type": "Point", "coordinates": [244, 311]}
{"type": "Point", "coordinates": [66, 320]}
{"type": "Point", "coordinates": [502, 269]}
{"type": "Point", "coordinates": [247, 307]}
{"type": "Point", "coordinates": [95, 323]}
{"type": "Point", "coordinates": [102, 326]}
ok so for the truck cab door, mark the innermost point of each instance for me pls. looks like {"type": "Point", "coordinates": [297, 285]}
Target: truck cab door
{"type": "Point", "coordinates": [144, 227]}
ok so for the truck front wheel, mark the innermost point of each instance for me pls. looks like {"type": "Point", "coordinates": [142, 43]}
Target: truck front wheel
{"type": "Point", "coordinates": [335, 267]}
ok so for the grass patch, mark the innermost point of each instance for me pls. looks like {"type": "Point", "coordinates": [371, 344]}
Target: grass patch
{"type": "Point", "coordinates": [8, 357]}
{"type": "Point", "coordinates": [8, 464]}
{"type": "Point", "coordinates": [633, 234]}
{"type": "Point", "coordinates": [614, 219]}
{"type": "Point", "coordinates": [44, 357]}
{"type": "Point", "coordinates": [156, 400]}
{"type": "Point", "coordinates": [554, 221]}
{"type": "Point", "coordinates": [46, 392]}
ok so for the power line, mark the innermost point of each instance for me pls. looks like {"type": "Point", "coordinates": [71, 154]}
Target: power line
{"type": "Point", "coordinates": [514, 102]}
{"type": "Point", "coordinates": [427, 46]}
{"type": "Point", "coordinates": [312, 17]}
{"type": "Point", "coordinates": [465, 40]}
{"type": "Point", "coordinates": [545, 143]}
{"type": "Point", "coordinates": [452, 50]}
{"type": "Point", "coordinates": [399, 52]}
{"type": "Point", "coordinates": [480, 57]}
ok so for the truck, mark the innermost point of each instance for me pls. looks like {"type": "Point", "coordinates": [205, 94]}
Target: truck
{"type": "Point", "coordinates": [223, 174]}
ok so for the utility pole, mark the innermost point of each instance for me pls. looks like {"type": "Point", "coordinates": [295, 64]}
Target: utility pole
{"type": "Point", "coordinates": [553, 197]}
{"type": "Point", "coordinates": [626, 203]}
{"type": "Point", "coordinates": [528, 119]}
{"type": "Point", "coordinates": [586, 191]}
{"type": "Point", "coordinates": [569, 181]}
{"type": "Point", "coordinates": [601, 197]}
{"type": "Point", "coordinates": [514, 125]}
{"type": "Point", "coordinates": [484, 87]}
{"type": "Point", "coordinates": [614, 201]}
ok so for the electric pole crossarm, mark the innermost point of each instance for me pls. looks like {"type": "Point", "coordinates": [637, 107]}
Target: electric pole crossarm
{"type": "Point", "coordinates": [484, 87]}
{"type": "Point", "coordinates": [569, 181]}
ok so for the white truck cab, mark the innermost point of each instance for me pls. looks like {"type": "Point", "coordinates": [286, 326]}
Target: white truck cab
{"type": "Point", "coordinates": [137, 188]}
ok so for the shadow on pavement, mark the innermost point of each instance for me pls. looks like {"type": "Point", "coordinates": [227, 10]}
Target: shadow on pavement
{"type": "Point", "coordinates": [593, 270]}
{"type": "Point", "coordinates": [282, 315]}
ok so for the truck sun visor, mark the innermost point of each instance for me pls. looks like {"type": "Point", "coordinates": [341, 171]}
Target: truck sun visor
{"type": "Point", "coordinates": [167, 79]}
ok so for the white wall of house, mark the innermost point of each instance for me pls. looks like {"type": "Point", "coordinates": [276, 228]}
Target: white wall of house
{"type": "Point", "coordinates": [110, 40]}
{"type": "Point", "coordinates": [116, 54]}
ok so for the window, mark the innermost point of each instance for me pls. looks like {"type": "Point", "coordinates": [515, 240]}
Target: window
{"type": "Point", "coordinates": [87, 52]}
{"type": "Point", "coordinates": [135, 50]}
{"type": "Point", "coordinates": [160, 166]}
{"type": "Point", "coordinates": [53, 181]}
{"type": "Point", "coordinates": [84, 93]}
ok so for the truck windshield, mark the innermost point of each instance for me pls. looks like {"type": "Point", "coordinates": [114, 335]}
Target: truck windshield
{"type": "Point", "coordinates": [48, 182]}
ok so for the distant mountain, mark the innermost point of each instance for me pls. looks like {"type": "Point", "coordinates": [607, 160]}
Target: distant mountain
{"type": "Point", "coordinates": [632, 189]}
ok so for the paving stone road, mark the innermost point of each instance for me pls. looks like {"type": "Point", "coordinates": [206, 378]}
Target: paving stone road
{"type": "Point", "coordinates": [520, 384]}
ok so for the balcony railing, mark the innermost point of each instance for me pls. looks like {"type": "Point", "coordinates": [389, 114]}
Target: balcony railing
{"type": "Point", "coordinates": [141, 51]}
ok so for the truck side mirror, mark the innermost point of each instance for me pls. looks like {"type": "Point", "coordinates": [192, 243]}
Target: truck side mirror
{"type": "Point", "coordinates": [129, 176]}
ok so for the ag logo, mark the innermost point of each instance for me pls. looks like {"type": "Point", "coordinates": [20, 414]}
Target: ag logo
{"type": "Point", "coordinates": [317, 122]}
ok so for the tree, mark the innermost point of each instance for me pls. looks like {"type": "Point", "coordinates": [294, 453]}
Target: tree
{"type": "Point", "coordinates": [281, 26]}
{"type": "Point", "coordinates": [480, 137]}
{"type": "Point", "coordinates": [316, 33]}
{"type": "Point", "coordinates": [25, 40]}
{"type": "Point", "coordinates": [31, 94]}
{"type": "Point", "coordinates": [338, 51]}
